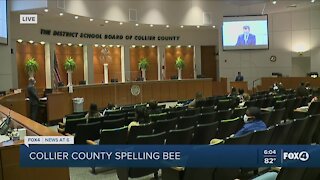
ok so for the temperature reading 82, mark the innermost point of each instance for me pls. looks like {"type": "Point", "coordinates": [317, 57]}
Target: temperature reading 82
{"type": "Point", "coordinates": [269, 160]}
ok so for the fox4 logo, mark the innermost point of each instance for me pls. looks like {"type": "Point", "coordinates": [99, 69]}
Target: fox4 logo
{"type": "Point", "coordinates": [301, 156]}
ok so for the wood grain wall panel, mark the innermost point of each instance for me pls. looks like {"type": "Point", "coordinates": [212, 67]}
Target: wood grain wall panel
{"type": "Point", "coordinates": [156, 91]}
{"type": "Point", "coordinates": [173, 90]}
{"type": "Point", "coordinates": [151, 54]}
{"type": "Point", "coordinates": [207, 88]}
{"type": "Point", "coordinates": [76, 52]}
{"type": "Point", "coordinates": [114, 66]}
{"type": "Point", "coordinates": [182, 90]}
{"type": "Point", "coordinates": [25, 51]}
{"type": "Point", "coordinates": [171, 54]}
{"type": "Point", "coordinates": [209, 62]}
{"type": "Point", "coordinates": [165, 92]}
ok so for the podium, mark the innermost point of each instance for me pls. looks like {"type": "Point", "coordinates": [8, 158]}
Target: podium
{"type": "Point", "coordinates": [240, 85]}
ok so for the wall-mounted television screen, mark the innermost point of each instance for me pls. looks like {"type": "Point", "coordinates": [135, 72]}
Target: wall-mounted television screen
{"type": "Point", "coordinates": [3, 22]}
{"type": "Point", "coordinates": [245, 32]}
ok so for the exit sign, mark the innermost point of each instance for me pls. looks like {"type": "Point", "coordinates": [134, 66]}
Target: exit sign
{"type": "Point", "coordinates": [28, 18]}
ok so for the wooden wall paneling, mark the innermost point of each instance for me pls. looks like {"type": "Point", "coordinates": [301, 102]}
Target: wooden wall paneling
{"type": "Point", "coordinates": [151, 54]}
{"type": "Point", "coordinates": [182, 91]}
{"type": "Point", "coordinates": [76, 52]}
{"type": "Point", "coordinates": [147, 92]}
{"type": "Point", "coordinates": [207, 88]}
{"type": "Point", "coordinates": [173, 88]}
{"type": "Point", "coordinates": [123, 94]}
{"type": "Point", "coordinates": [165, 92]}
{"type": "Point", "coordinates": [25, 51]}
{"type": "Point", "coordinates": [156, 91]}
{"type": "Point", "coordinates": [171, 54]}
{"type": "Point", "coordinates": [59, 105]}
{"type": "Point", "coordinates": [208, 62]}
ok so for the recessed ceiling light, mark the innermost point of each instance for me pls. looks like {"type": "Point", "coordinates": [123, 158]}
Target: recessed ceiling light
{"type": "Point", "coordinates": [106, 21]}
{"type": "Point", "coordinates": [151, 25]}
{"type": "Point", "coordinates": [80, 44]}
{"type": "Point", "coordinates": [133, 46]}
{"type": "Point", "coordinates": [111, 45]}
{"type": "Point", "coordinates": [46, 10]}
{"type": "Point", "coordinates": [143, 46]}
{"type": "Point", "coordinates": [69, 44]}
{"type": "Point", "coordinates": [19, 40]}
{"type": "Point", "coordinates": [189, 46]}
{"type": "Point", "coordinates": [167, 26]}
{"type": "Point", "coordinates": [313, 1]}
{"type": "Point", "coordinates": [30, 41]}
{"type": "Point", "coordinates": [153, 46]}
{"type": "Point", "coordinates": [91, 19]}
{"type": "Point", "coordinates": [274, 2]}
{"type": "Point", "coordinates": [76, 17]}
{"type": "Point", "coordinates": [179, 46]}
{"type": "Point", "coordinates": [58, 43]}
{"type": "Point", "coordinates": [121, 23]}
{"type": "Point", "coordinates": [61, 14]}
{"type": "Point", "coordinates": [42, 42]}
{"type": "Point", "coordinates": [181, 26]}
{"type": "Point", "coordinates": [96, 45]}
{"type": "Point", "coordinates": [137, 24]}
{"type": "Point", "coordinates": [103, 45]}
{"type": "Point", "coordinates": [213, 26]}
{"type": "Point", "coordinates": [198, 26]}
{"type": "Point", "coordinates": [118, 46]}
{"type": "Point", "coordinates": [169, 46]}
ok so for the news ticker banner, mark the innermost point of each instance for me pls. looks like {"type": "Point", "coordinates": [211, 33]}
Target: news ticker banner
{"type": "Point", "coordinates": [66, 155]}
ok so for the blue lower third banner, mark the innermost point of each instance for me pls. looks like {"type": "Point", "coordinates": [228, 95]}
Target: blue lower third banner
{"type": "Point", "coordinates": [169, 156]}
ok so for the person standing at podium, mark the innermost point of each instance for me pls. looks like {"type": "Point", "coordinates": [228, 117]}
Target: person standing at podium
{"type": "Point", "coordinates": [239, 77]}
{"type": "Point", "coordinates": [33, 99]}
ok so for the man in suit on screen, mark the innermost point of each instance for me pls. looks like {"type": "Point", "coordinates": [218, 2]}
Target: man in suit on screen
{"type": "Point", "coordinates": [246, 39]}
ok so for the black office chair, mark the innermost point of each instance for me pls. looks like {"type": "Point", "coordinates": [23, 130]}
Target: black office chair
{"type": "Point", "coordinates": [262, 137]}
{"type": "Point", "coordinates": [239, 112]}
{"type": "Point", "coordinates": [310, 129]}
{"type": "Point", "coordinates": [142, 129]}
{"type": "Point", "coordinates": [207, 109]}
{"type": "Point", "coordinates": [166, 125]}
{"type": "Point", "coordinates": [71, 124]}
{"type": "Point", "coordinates": [223, 114]}
{"type": "Point", "coordinates": [206, 118]}
{"type": "Point", "coordinates": [114, 136]}
{"type": "Point", "coordinates": [276, 117]}
{"type": "Point", "coordinates": [192, 111]}
{"type": "Point", "coordinates": [187, 121]}
{"type": "Point", "coordinates": [112, 124]}
{"type": "Point", "coordinates": [228, 127]}
{"type": "Point", "coordinates": [84, 132]}
{"type": "Point", "coordinates": [180, 136]}
{"type": "Point", "coordinates": [296, 130]}
{"type": "Point", "coordinates": [280, 133]}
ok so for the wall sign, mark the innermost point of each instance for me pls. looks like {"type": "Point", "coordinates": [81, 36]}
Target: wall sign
{"type": "Point", "coordinates": [127, 37]}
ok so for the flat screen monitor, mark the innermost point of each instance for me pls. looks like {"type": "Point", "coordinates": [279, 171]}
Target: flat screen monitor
{"type": "Point", "coordinates": [245, 32]}
{"type": "Point", "coordinates": [3, 22]}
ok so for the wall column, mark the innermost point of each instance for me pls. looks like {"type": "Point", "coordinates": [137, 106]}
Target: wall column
{"type": "Point", "coordinates": [47, 65]}
{"type": "Point", "coordinates": [88, 64]}
{"type": "Point", "coordinates": [162, 62]}
{"type": "Point", "coordinates": [123, 69]}
{"type": "Point", "coordinates": [126, 62]}
{"type": "Point", "coordinates": [197, 60]}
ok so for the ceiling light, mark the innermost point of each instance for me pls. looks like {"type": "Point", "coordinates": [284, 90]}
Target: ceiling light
{"type": "Point", "coordinates": [181, 26]}
{"type": "Point", "coordinates": [91, 19]}
{"type": "Point", "coordinates": [106, 21]}
{"type": "Point", "coordinates": [153, 46]}
{"type": "Point", "coordinates": [213, 26]}
{"type": "Point", "coordinates": [46, 10]}
{"type": "Point", "coordinates": [42, 42]}
{"type": "Point", "coordinates": [76, 17]}
{"type": "Point", "coordinates": [189, 46]}
{"type": "Point", "coordinates": [96, 45]}
{"type": "Point", "coordinates": [19, 40]}
{"type": "Point", "coordinates": [111, 45]}
{"type": "Point", "coordinates": [313, 1]}
{"type": "Point", "coordinates": [30, 41]}
{"type": "Point", "coordinates": [143, 46]}
{"type": "Point", "coordinates": [80, 44]}
{"type": "Point", "coordinates": [58, 43]}
{"type": "Point", "coordinates": [103, 45]}
{"type": "Point", "coordinates": [169, 46]}
{"type": "Point", "coordinates": [137, 24]}
{"type": "Point", "coordinates": [118, 46]}
{"type": "Point", "coordinates": [179, 46]}
{"type": "Point", "coordinates": [167, 26]}
{"type": "Point", "coordinates": [151, 25]}
{"type": "Point", "coordinates": [69, 44]}
{"type": "Point", "coordinates": [61, 14]}
{"type": "Point", "coordinates": [198, 26]}
{"type": "Point", "coordinates": [121, 23]}
{"type": "Point", "coordinates": [274, 2]}
{"type": "Point", "coordinates": [133, 46]}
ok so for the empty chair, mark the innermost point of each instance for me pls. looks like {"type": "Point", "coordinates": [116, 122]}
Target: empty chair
{"type": "Point", "coordinates": [114, 136]}
{"type": "Point", "coordinates": [203, 133]}
{"type": "Point", "coordinates": [276, 117]}
{"type": "Point", "coordinates": [173, 114]}
{"type": "Point", "coordinates": [250, 103]}
{"type": "Point", "coordinates": [314, 108]}
{"type": "Point", "coordinates": [296, 130]}
{"type": "Point", "coordinates": [180, 136]}
{"type": "Point", "coordinates": [280, 104]}
{"type": "Point", "coordinates": [269, 101]}
{"type": "Point", "coordinates": [192, 111]}
{"type": "Point", "coordinates": [260, 102]}
{"type": "Point", "coordinates": [206, 118]}
{"type": "Point", "coordinates": [238, 112]}
{"type": "Point", "coordinates": [310, 129]}
{"type": "Point", "coordinates": [262, 137]}
{"type": "Point", "coordinates": [96, 119]}
{"type": "Point", "coordinates": [289, 108]}
{"type": "Point", "coordinates": [228, 127]}
{"type": "Point", "coordinates": [223, 114]}
{"type": "Point", "coordinates": [116, 116]}
{"type": "Point", "coordinates": [280, 133]}
{"type": "Point", "coordinates": [142, 129]}
{"type": "Point", "coordinates": [207, 109]}
{"type": "Point", "coordinates": [76, 115]}
{"type": "Point", "coordinates": [111, 124]}
{"type": "Point", "coordinates": [84, 132]}
{"type": "Point", "coordinates": [166, 125]}
{"type": "Point", "coordinates": [125, 173]}
{"type": "Point", "coordinates": [187, 121]}
{"type": "Point", "coordinates": [71, 124]}
{"type": "Point", "coordinates": [224, 104]}
{"type": "Point", "coordinates": [265, 116]}
{"type": "Point", "coordinates": [157, 117]}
